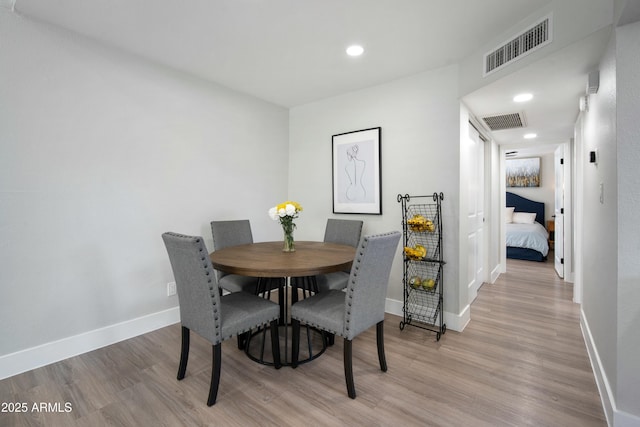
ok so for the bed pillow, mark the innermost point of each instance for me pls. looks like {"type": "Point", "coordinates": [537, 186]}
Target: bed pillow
{"type": "Point", "coordinates": [524, 217]}
{"type": "Point", "coordinates": [509, 215]}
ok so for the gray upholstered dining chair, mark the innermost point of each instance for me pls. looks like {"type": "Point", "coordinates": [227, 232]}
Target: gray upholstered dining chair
{"type": "Point", "coordinates": [213, 316]}
{"type": "Point", "coordinates": [233, 233]}
{"type": "Point", "coordinates": [343, 232]}
{"type": "Point", "coordinates": [352, 312]}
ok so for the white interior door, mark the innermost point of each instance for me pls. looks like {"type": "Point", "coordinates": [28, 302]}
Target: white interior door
{"type": "Point", "coordinates": [559, 212]}
{"type": "Point", "coordinates": [475, 156]}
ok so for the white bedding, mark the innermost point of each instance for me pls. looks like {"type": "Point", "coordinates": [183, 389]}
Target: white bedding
{"type": "Point", "coordinates": [532, 236]}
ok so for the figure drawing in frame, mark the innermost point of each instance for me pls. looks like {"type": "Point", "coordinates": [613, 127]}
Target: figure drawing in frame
{"type": "Point", "coordinates": [354, 171]}
{"type": "Point", "coordinates": [356, 174]}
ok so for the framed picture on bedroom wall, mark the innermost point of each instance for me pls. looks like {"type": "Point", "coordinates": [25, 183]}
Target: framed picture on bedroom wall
{"type": "Point", "coordinates": [523, 172]}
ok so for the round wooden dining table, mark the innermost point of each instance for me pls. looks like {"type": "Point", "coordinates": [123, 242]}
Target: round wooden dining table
{"type": "Point", "coordinates": [267, 261]}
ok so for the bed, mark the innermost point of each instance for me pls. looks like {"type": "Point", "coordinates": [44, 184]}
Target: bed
{"type": "Point", "coordinates": [527, 238]}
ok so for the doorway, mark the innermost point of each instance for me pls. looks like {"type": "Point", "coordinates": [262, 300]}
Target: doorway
{"type": "Point", "coordinates": [556, 192]}
{"type": "Point", "coordinates": [475, 213]}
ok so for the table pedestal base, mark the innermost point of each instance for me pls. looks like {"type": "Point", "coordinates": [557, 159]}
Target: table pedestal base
{"type": "Point", "coordinates": [312, 341]}
{"type": "Point", "coordinates": [258, 346]}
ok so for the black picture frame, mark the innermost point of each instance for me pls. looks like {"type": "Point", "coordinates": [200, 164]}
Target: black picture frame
{"type": "Point", "coordinates": [356, 172]}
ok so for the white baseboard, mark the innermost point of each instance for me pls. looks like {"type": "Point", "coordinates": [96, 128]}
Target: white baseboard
{"type": "Point", "coordinates": [615, 417]}
{"type": "Point", "coordinates": [393, 306]}
{"type": "Point", "coordinates": [495, 273]}
{"type": "Point", "coordinates": [45, 354]}
{"type": "Point", "coordinates": [455, 322]}
{"type": "Point", "coordinates": [600, 375]}
{"type": "Point", "coordinates": [459, 321]}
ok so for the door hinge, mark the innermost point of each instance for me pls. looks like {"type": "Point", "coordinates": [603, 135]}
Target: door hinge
{"type": "Point", "coordinates": [562, 161]}
{"type": "Point", "coordinates": [562, 210]}
{"type": "Point", "coordinates": [561, 260]}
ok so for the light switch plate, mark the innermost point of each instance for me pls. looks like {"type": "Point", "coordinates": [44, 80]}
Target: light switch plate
{"type": "Point", "coordinates": [602, 193]}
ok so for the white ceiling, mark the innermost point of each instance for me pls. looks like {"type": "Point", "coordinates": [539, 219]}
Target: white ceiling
{"type": "Point", "coordinates": [557, 83]}
{"type": "Point", "coordinates": [291, 52]}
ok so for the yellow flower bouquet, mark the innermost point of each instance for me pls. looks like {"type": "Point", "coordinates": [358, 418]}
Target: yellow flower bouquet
{"type": "Point", "coordinates": [285, 213]}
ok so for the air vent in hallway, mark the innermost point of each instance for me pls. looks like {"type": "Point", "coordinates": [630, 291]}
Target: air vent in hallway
{"type": "Point", "coordinates": [531, 39]}
{"type": "Point", "coordinates": [505, 121]}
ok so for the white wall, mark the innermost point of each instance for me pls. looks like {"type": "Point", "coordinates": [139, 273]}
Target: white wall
{"type": "Point", "coordinates": [100, 153]}
{"type": "Point", "coordinates": [609, 230]}
{"type": "Point", "coordinates": [494, 196]}
{"type": "Point", "coordinates": [467, 268]}
{"type": "Point", "coordinates": [599, 238]}
{"type": "Point", "coordinates": [628, 159]}
{"type": "Point", "coordinates": [420, 148]}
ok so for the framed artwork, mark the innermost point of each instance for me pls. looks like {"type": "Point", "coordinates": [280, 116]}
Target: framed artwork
{"type": "Point", "coordinates": [523, 172]}
{"type": "Point", "coordinates": [356, 172]}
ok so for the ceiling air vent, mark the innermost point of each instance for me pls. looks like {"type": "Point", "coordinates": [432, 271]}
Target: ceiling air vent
{"type": "Point", "coordinates": [505, 121]}
{"type": "Point", "coordinates": [538, 35]}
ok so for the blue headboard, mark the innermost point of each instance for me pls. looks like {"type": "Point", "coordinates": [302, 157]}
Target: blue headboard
{"type": "Point", "coordinates": [525, 205]}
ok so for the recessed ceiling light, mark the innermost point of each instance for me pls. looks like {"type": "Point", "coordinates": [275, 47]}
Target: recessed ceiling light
{"type": "Point", "coordinates": [530, 135]}
{"type": "Point", "coordinates": [523, 97]}
{"type": "Point", "coordinates": [355, 50]}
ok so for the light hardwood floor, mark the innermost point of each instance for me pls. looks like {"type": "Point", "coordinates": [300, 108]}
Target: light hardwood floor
{"type": "Point", "coordinates": [521, 361]}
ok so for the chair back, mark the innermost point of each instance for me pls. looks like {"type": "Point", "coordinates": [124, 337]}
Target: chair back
{"type": "Point", "coordinates": [343, 231]}
{"type": "Point", "coordinates": [230, 233]}
{"type": "Point", "coordinates": [198, 293]}
{"type": "Point", "coordinates": [366, 291]}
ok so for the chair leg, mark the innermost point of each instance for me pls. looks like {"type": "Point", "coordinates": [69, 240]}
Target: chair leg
{"type": "Point", "coordinates": [380, 341]}
{"type": "Point", "coordinates": [281, 300]}
{"type": "Point", "coordinates": [348, 368]}
{"type": "Point", "coordinates": [184, 353]}
{"type": "Point", "coordinates": [331, 339]}
{"type": "Point", "coordinates": [216, 363]}
{"type": "Point", "coordinates": [295, 342]}
{"type": "Point", "coordinates": [242, 340]}
{"type": "Point", "coordinates": [295, 285]}
{"type": "Point", "coordinates": [275, 344]}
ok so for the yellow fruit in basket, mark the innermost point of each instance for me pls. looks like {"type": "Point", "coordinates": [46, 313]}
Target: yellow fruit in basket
{"type": "Point", "coordinates": [428, 284]}
{"type": "Point", "coordinates": [415, 281]}
{"type": "Point", "coordinates": [417, 252]}
{"type": "Point", "coordinates": [420, 223]}
{"type": "Point", "coordinates": [410, 252]}
{"type": "Point", "coordinates": [417, 223]}
{"type": "Point", "coordinates": [417, 219]}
